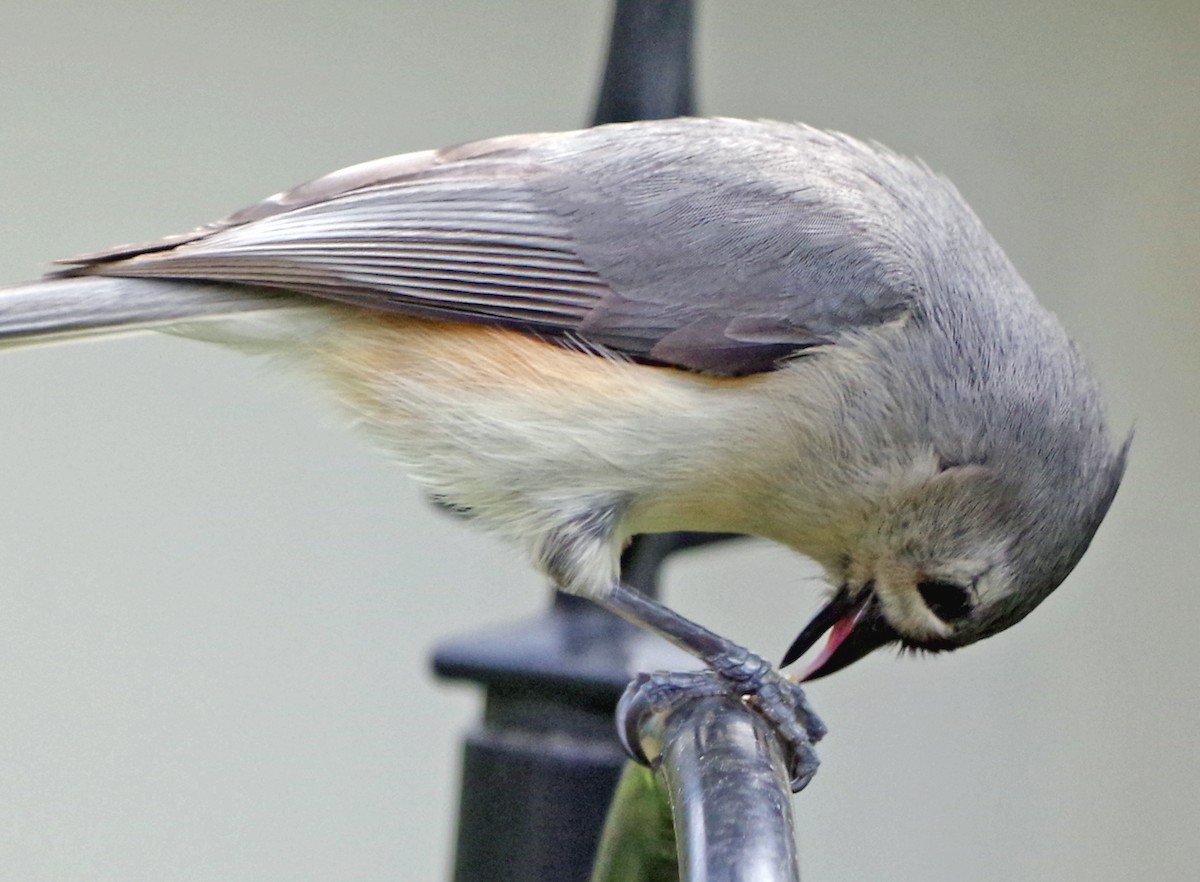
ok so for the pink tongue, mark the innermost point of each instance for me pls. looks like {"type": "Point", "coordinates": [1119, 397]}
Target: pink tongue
{"type": "Point", "coordinates": [839, 632]}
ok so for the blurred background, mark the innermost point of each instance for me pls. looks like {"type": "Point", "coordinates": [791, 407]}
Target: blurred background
{"type": "Point", "coordinates": [217, 604]}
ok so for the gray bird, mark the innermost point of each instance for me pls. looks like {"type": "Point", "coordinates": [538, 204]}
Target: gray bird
{"type": "Point", "coordinates": [692, 324]}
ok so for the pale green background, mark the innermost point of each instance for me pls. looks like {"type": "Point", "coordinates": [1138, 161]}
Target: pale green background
{"type": "Point", "coordinates": [217, 605]}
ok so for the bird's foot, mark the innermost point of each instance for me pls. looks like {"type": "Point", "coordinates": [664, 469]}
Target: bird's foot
{"type": "Point", "coordinates": [739, 673]}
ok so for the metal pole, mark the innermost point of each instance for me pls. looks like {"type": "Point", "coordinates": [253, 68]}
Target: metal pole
{"type": "Point", "coordinates": [648, 74]}
{"type": "Point", "coordinates": [731, 799]}
{"type": "Point", "coordinates": [539, 772]}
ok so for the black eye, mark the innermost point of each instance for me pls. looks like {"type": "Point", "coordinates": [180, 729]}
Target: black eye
{"type": "Point", "coordinates": [947, 601]}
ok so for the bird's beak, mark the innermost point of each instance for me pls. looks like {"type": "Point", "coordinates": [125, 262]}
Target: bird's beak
{"type": "Point", "coordinates": [855, 626]}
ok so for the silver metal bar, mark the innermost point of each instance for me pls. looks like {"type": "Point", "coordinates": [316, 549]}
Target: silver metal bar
{"type": "Point", "coordinates": [729, 789]}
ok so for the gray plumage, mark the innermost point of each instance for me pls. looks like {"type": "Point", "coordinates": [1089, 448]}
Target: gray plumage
{"type": "Point", "coordinates": [882, 390]}
{"type": "Point", "coordinates": [635, 237]}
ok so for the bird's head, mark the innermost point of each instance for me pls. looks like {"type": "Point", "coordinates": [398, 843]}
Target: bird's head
{"type": "Point", "coordinates": [956, 557]}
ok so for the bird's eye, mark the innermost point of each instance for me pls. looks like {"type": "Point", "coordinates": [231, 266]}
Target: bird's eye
{"type": "Point", "coordinates": [946, 600]}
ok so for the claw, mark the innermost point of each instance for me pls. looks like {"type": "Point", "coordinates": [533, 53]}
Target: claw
{"type": "Point", "coordinates": [734, 671]}
{"type": "Point", "coordinates": [778, 700]}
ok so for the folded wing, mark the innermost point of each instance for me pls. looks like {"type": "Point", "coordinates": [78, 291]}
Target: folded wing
{"type": "Point", "coordinates": [713, 245]}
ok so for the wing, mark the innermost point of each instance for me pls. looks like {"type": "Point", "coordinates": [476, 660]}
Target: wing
{"type": "Point", "coordinates": [713, 245]}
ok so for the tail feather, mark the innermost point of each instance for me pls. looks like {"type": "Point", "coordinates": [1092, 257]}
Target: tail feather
{"type": "Point", "coordinates": [56, 308]}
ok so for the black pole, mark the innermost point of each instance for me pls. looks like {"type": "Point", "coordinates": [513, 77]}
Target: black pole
{"type": "Point", "coordinates": [648, 74]}
{"type": "Point", "coordinates": [539, 772]}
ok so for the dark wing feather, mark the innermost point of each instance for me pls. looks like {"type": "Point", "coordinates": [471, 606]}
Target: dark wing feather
{"type": "Point", "coordinates": [712, 245]}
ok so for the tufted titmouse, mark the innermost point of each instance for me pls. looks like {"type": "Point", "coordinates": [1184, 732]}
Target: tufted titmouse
{"type": "Point", "coordinates": [691, 324]}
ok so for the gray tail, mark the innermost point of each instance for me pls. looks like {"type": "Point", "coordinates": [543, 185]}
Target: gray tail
{"type": "Point", "coordinates": [91, 305]}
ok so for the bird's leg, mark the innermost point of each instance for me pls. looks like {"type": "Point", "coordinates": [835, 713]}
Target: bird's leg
{"type": "Point", "coordinates": [734, 670]}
